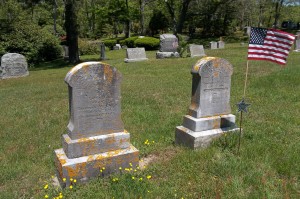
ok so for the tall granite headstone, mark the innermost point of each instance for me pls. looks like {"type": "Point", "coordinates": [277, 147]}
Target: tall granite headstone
{"type": "Point", "coordinates": [209, 113]}
{"type": "Point", "coordinates": [213, 45]}
{"type": "Point", "coordinates": [65, 51]}
{"type": "Point", "coordinates": [95, 134]}
{"type": "Point", "coordinates": [135, 55]}
{"type": "Point", "coordinates": [168, 46]}
{"type": "Point", "coordinates": [196, 50]}
{"type": "Point", "coordinates": [13, 65]}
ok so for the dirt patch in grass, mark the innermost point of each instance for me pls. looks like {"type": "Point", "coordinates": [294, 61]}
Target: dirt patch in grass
{"type": "Point", "coordinates": [161, 156]}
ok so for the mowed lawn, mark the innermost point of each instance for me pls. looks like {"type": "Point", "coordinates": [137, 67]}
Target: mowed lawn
{"type": "Point", "coordinates": [155, 97]}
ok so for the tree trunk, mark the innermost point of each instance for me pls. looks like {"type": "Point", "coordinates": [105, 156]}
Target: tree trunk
{"type": "Point", "coordinates": [127, 22]}
{"type": "Point", "coordinates": [171, 10]}
{"type": "Point", "coordinates": [278, 6]}
{"type": "Point", "coordinates": [142, 19]}
{"type": "Point", "coordinates": [54, 16]}
{"type": "Point", "coordinates": [72, 30]}
{"type": "Point", "coordinates": [182, 16]}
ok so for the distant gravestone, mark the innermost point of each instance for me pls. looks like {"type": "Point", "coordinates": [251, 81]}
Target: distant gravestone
{"type": "Point", "coordinates": [168, 46]}
{"type": "Point", "coordinates": [247, 30]}
{"type": "Point", "coordinates": [213, 45]}
{"type": "Point", "coordinates": [209, 113]}
{"type": "Point", "coordinates": [196, 50]}
{"type": "Point", "coordinates": [13, 65]}
{"type": "Point", "coordinates": [96, 137]}
{"type": "Point", "coordinates": [221, 44]}
{"type": "Point", "coordinates": [135, 55]}
{"type": "Point", "coordinates": [117, 47]}
{"type": "Point", "coordinates": [66, 51]}
{"type": "Point", "coordinates": [102, 51]}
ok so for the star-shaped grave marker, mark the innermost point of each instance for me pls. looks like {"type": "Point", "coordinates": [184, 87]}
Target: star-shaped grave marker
{"type": "Point", "coordinates": [242, 106]}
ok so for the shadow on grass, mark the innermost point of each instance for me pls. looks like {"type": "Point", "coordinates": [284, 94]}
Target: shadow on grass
{"type": "Point", "coordinates": [59, 63]}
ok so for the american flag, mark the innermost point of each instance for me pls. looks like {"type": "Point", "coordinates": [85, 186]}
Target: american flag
{"type": "Point", "coordinates": [269, 44]}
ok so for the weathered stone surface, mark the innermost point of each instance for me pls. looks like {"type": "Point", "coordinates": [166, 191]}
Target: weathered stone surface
{"type": "Point", "coordinates": [162, 55]}
{"type": "Point", "coordinates": [135, 55]}
{"type": "Point", "coordinates": [96, 137]}
{"type": "Point", "coordinates": [87, 167]}
{"type": "Point", "coordinates": [213, 45]}
{"type": "Point", "coordinates": [95, 144]}
{"type": "Point", "coordinates": [200, 139]}
{"type": "Point", "coordinates": [13, 65]}
{"type": "Point", "coordinates": [196, 50]}
{"type": "Point", "coordinates": [95, 108]}
{"type": "Point", "coordinates": [168, 43]}
{"type": "Point", "coordinates": [209, 113]}
{"type": "Point", "coordinates": [297, 42]}
{"type": "Point", "coordinates": [102, 51]}
{"type": "Point", "coordinates": [207, 123]}
{"type": "Point", "coordinates": [221, 44]}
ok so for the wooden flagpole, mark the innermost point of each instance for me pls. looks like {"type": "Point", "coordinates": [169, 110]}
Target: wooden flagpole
{"type": "Point", "coordinates": [241, 116]}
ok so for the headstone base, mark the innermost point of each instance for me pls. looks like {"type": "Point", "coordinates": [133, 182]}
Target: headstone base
{"type": "Point", "coordinates": [85, 168]}
{"type": "Point", "coordinates": [297, 50]}
{"type": "Point", "coordinates": [95, 144]}
{"type": "Point", "coordinates": [135, 60]}
{"type": "Point", "coordinates": [162, 55]}
{"type": "Point", "coordinates": [199, 139]}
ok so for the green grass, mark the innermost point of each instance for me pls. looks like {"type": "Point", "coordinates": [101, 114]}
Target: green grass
{"type": "Point", "coordinates": [155, 97]}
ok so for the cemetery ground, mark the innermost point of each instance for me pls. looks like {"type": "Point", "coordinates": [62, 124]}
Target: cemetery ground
{"type": "Point", "coordinates": [155, 96]}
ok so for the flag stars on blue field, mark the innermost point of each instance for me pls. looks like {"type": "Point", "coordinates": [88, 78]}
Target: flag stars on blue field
{"type": "Point", "coordinates": [258, 36]}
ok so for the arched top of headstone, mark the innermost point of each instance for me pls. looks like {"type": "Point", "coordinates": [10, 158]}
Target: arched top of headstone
{"type": "Point", "coordinates": [88, 71]}
{"type": "Point", "coordinates": [212, 66]}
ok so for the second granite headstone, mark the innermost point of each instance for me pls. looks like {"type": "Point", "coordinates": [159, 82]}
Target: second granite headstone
{"type": "Point", "coordinates": [196, 50]}
{"type": "Point", "coordinates": [13, 65]}
{"type": "Point", "coordinates": [209, 113]}
{"type": "Point", "coordinates": [135, 55]}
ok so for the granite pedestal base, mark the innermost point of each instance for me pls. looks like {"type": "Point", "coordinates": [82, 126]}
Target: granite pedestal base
{"type": "Point", "coordinates": [135, 60]}
{"type": "Point", "coordinates": [162, 55]}
{"type": "Point", "coordinates": [87, 167]}
{"type": "Point", "coordinates": [199, 139]}
{"type": "Point", "coordinates": [199, 132]}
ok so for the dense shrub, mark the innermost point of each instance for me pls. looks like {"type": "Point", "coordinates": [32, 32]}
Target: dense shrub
{"type": "Point", "coordinates": [129, 42]}
{"type": "Point", "coordinates": [33, 42]}
{"type": "Point", "coordinates": [2, 49]}
{"type": "Point", "coordinates": [87, 47]}
{"type": "Point", "coordinates": [110, 43]}
{"type": "Point", "coordinates": [59, 30]}
{"type": "Point", "coordinates": [149, 43]}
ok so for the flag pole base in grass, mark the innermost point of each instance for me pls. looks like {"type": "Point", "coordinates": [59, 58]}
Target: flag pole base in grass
{"type": "Point", "coordinates": [200, 139]}
{"type": "Point", "coordinates": [86, 168]}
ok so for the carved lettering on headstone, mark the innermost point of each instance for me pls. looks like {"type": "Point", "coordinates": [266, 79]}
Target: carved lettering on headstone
{"type": "Point", "coordinates": [95, 108]}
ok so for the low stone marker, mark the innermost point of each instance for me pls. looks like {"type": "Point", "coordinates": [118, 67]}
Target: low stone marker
{"type": "Point", "coordinates": [102, 51]}
{"type": "Point", "coordinates": [135, 55]}
{"type": "Point", "coordinates": [168, 46]}
{"type": "Point", "coordinates": [13, 65]}
{"type": "Point", "coordinates": [96, 138]}
{"type": "Point", "coordinates": [117, 47]}
{"type": "Point", "coordinates": [221, 44]}
{"type": "Point", "coordinates": [196, 50]}
{"type": "Point", "coordinates": [65, 52]}
{"type": "Point", "coordinates": [209, 113]}
{"type": "Point", "coordinates": [213, 45]}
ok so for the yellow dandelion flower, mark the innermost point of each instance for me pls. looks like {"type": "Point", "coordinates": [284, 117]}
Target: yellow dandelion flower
{"type": "Point", "coordinates": [52, 176]}
{"type": "Point", "coordinates": [130, 164]}
{"type": "Point", "coordinates": [60, 193]}
{"type": "Point", "coordinates": [144, 167]}
{"type": "Point", "coordinates": [64, 179]}
{"type": "Point", "coordinates": [149, 177]}
{"type": "Point", "coordinates": [60, 196]}
{"type": "Point", "coordinates": [126, 169]}
{"type": "Point", "coordinates": [148, 191]}
{"type": "Point", "coordinates": [153, 142]}
{"type": "Point", "coordinates": [141, 179]}
{"type": "Point", "coordinates": [46, 196]}
{"type": "Point", "coordinates": [75, 180]}
{"type": "Point", "coordinates": [130, 169]}
{"type": "Point", "coordinates": [71, 179]}
{"type": "Point", "coordinates": [120, 168]}
{"type": "Point", "coordinates": [138, 167]}
{"type": "Point", "coordinates": [132, 177]}
{"type": "Point", "coordinates": [103, 168]}
{"type": "Point", "coordinates": [71, 187]}
{"type": "Point", "coordinates": [135, 170]}
{"type": "Point", "coordinates": [46, 186]}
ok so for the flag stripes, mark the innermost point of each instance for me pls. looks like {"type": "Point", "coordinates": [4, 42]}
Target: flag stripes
{"type": "Point", "coordinates": [269, 44]}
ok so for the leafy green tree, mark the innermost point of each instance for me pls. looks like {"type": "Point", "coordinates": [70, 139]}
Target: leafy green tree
{"type": "Point", "coordinates": [158, 22]}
